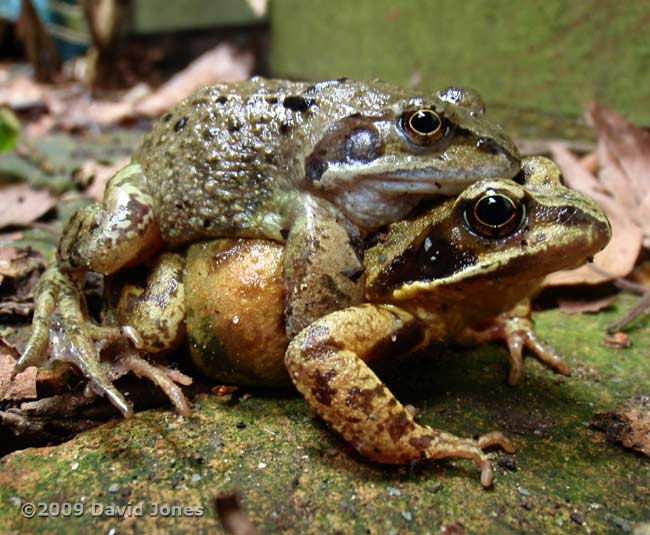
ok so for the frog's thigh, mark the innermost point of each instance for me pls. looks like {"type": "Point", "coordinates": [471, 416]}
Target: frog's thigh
{"type": "Point", "coordinates": [326, 363]}
{"type": "Point", "coordinates": [322, 270]}
{"type": "Point", "coordinates": [157, 311]}
{"type": "Point", "coordinates": [122, 231]}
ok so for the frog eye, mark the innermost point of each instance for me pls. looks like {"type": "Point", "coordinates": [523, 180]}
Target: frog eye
{"type": "Point", "coordinates": [494, 215]}
{"type": "Point", "coordinates": [423, 126]}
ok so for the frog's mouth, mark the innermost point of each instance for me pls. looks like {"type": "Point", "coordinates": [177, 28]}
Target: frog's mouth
{"type": "Point", "coordinates": [439, 176]}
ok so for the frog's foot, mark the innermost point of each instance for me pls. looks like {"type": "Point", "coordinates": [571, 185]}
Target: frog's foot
{"type": "Point", "coordinates": [518, 333]}
{"type": "Point", "coordinates": [168, 379]}
{"type": "Point", "coordinates": [442, 445]}
{"type": "Point", "coordinates": [327, 363]}
{"type": "Point", "coordinates": [73, 336]}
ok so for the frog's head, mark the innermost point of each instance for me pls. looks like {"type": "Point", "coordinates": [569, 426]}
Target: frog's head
{"type": "Point", "coordinates": [478, 254]}
{"type": "Point", "coordinates": [405, 147]}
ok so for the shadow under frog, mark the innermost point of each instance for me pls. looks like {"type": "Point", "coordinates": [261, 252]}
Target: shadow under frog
{"type": "Point", "coordinates": [428, 279]}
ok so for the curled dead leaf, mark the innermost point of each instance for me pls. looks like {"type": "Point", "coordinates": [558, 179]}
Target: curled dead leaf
{"type": "Point", "coordinates": [21, 204]}
{"type": "Point", "coordinates": [19, 386]}
{"type": "Point", "coordinates": [620, 255]}
{"type": "Point", "coordinates": [628, 425]}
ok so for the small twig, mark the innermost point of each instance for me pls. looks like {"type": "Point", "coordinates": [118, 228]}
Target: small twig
{"type": "Point", "coordinates": [629, 286]}
{"type": "Point", "coordinates": [637, 310]}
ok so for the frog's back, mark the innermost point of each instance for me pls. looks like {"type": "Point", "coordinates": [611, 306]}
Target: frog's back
{"type": "Point", "coordinates": [230, 154]}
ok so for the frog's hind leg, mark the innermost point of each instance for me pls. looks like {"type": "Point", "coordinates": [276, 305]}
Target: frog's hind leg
{"type": "Point", "coordinates": [327, 362]}
{"type": "Point", "coordinates": [517, 329]}
{"type": "Point", "coordinates": [57, 291]}
{"type": "Point", "coordinates": [120, 232]}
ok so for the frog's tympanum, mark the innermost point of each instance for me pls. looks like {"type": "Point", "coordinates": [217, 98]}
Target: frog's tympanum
{"type": "Point", "coordinates": [430, 276]}
{"type": "Point", "coordinates": [315, 166]}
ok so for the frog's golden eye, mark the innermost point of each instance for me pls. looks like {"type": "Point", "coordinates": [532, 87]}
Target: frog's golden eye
{"type": "Point", "coordinates": [423, 126]}
{"type": "Point", "coordinates": [494, 215]}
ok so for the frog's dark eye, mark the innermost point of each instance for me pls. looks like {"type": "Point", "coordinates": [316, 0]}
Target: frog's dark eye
{"type": "Point", "coordinates": [494, 215]}
{"type": "Point", "coordinates": [423, 127]}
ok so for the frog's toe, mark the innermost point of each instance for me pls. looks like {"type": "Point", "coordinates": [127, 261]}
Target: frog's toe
{"type": "Point", "coordinates": [105, 334]}
{"type": "Point", "coordinates": [518, 334]}
{"type": "Point", "coordinates": [496, 438]}
{"type": "Point", "coordinates": [168, 379]}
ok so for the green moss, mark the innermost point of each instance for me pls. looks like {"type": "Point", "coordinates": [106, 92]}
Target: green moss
{"type": "Point", "coordinates": [297, 477]}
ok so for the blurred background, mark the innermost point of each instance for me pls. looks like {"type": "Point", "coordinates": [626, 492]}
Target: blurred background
{"type": "Point", "coordinates": [536, 63]}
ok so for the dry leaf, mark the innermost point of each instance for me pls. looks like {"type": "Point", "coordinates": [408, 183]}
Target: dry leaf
{"type": "Point", "coordinates": [624, 158]}
{"type": "Point", "coordinates": [23, 385]}
{"type": "Point", "coordinates": [628, 425]}
{"type": "Point", "coordinates": [221, 64]}
{"type": "Point", "coordinates": [20, 92]}
{"type": "Point", "coordinates": [98, 175]}
{"type": "Point", "coordinates": [22, 204]}
{"type": "Point", "coordinates": [578, 307]}
{"type": "Point", "coordinates": [618, 258]}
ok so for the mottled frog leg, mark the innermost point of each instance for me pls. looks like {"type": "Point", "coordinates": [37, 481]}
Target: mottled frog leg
{"type": "Point", "coordinates": [119, 232]}
{"type": "Point", "coordinates": [56, 290]}
{"type": "Point", "coordinates": [322, 264]}
{"type": "Point", "coordinates": [327, 363]}
{"type": "Point", "coordinates": [158, 309]}
{"type": "Point", "coordinates": [517, 329]}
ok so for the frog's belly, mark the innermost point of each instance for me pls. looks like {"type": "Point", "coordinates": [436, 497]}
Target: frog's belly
{"type": "Point", "coordinates": [234, 302]}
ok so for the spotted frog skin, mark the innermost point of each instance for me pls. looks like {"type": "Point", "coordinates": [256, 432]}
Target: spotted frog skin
{"type": "Point", "coordinates": [429, 277]}
{"type": "Point", "coordinates": [315, 165]}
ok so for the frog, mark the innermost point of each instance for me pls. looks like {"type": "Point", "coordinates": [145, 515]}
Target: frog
{"type": "Point", "coordinates": [313, 165]}
{"type": "Point", "coordinates": [430, 278]}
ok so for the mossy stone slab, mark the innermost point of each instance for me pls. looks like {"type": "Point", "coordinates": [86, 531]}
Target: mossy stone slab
{"type": "Point", "coordinates": [295, 476]}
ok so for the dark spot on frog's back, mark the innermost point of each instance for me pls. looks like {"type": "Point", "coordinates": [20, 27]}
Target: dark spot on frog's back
{"type": "Point", "coordinates": [298, 103]}
{"type": "Point", "coordinates": [180, 124]}
{"type": "Point", "coordinates": [222, 100]}
{"type": "Point", "coordinates": [167, 117]}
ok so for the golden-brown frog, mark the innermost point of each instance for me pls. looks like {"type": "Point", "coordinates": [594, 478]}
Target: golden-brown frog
{"type": "Point", "coordinates": [429, 277]}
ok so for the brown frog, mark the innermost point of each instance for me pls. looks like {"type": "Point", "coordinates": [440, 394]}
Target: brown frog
{"type": "Point", "coordinates": [315, 165]}
{"type": "Point", "coordinates": [430, 276]}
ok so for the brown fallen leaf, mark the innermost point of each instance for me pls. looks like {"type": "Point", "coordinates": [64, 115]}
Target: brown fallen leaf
{"type": "Point", "coordinates": [577, 307]}
{"type": "Point", "coordinates": [20, 386]}
{"type": "Point", "coordinates": [629, 424]}
{"type": "Point", "coordinates": [221, 64]}
{"type": "Point", "coordinates": [98, 174]}
{"type": "Point", "coordinates": [20, 269]}
{"type": "Point", "coordinates": [624, 159]}
{"type": "Point", "coordinates": [620, 255]}
{"type": "Point", "coordinates": [20, 93]}
{"type": "Point", "coordinates": [22, 204]}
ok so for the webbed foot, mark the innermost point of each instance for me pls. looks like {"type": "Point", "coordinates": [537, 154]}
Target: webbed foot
{"type": "Point", "coordinates": [517, 329]}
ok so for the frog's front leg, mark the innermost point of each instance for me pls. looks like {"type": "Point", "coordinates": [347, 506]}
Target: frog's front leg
{"type": "Point", "coordinates": [327, 363]}
{"type": "Point", "coordinates": [74, 337]}
{"type": "Point", "coordinates": [517, 329]}
{"type": "Point", "coordinates": [322, 265]}
{"type": "Point", "coordinates": [119, 232]}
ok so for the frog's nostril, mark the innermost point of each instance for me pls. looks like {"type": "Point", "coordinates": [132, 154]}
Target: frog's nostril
{"type": "Point", "coordinates": [488, 145]}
